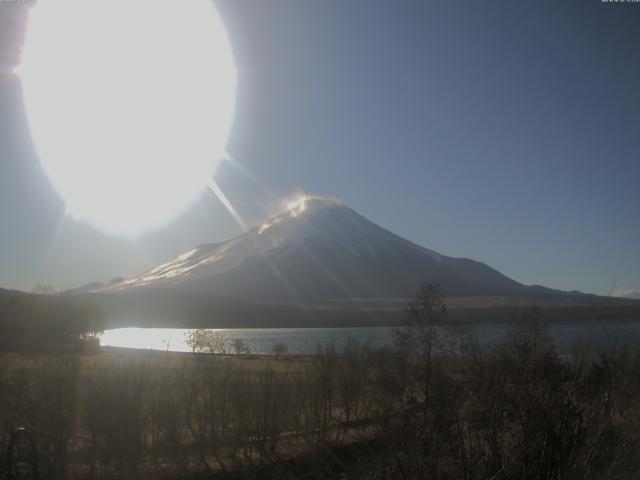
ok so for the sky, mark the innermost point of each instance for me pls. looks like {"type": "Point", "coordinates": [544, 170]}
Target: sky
{"type": "Point", "coordinates": [507, 132]}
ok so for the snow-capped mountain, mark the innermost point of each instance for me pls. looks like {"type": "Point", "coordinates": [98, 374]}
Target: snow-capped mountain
{"type": "Point", "coordinates": [319, 250]}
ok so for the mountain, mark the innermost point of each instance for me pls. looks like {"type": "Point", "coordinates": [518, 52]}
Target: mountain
{"type": "Point", "coordinates": [318, 252]}
{"type": "Point", "coordinates": [93, 286]}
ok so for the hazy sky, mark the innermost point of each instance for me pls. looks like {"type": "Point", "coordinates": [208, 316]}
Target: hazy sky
{"type": "Point", "coordinates": [507, 132]}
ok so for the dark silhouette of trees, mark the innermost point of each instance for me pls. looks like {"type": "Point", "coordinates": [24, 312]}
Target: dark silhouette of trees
{"type": "Point", "coordinates": [44, 322]}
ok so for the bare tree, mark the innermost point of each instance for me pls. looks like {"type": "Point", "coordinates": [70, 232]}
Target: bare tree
{"type": "Point", "coordinates": [422, 333]}
{"type": "Point", "coordinates": [239, 346]}
{"type": "Point", "coordinates": [279, 349]}
{"type": "Point", "coordinates": [351, 379]}
{"type": "Point", "coordinates": [205, 341]}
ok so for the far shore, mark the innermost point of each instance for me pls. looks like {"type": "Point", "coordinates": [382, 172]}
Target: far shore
{"type": "Point", "coordinates": [463, 316]}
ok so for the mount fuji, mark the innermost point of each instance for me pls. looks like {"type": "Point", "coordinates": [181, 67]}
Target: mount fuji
{"type": "Point", "coordinates": [319, 263]}
{"type": "Point", "coordinates": [317, 252]}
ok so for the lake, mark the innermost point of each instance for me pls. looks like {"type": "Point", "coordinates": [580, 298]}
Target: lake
{"type": "Point", "coordinates": [306, 340]}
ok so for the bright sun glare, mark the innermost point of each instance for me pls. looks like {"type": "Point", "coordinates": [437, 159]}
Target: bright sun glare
{"type": "Point", "coordinates": [130, 104]}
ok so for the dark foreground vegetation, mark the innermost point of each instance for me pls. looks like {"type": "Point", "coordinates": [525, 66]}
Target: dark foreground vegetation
{"type": "Point", "coordinates": [436, 406]}
{"type": "Point", "coordinates": [37, 323]}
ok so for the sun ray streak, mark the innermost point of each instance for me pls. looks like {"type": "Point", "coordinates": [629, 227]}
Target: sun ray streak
{"type": "Point", "coordinates": [238, 218]}
{"type": "Point", "coordinates": [266, 191]}
{"type": "Point", "coordinates": [245, 171]}
{"type": "Point", "coordinates": [333, 277]}
{"type": "Point", "coordinates": [227, 204]}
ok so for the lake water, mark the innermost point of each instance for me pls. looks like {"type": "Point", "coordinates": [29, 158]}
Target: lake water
{"type": "Point", "coordinates": [306, 340]}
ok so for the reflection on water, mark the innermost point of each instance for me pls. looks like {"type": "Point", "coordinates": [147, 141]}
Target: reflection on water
{"type": "Point", "coordinates": [306, 340]}
{"type": "Point", "coordinates": [260, 340]}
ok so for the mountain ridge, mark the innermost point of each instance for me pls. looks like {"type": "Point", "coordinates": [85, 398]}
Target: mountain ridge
{"type": "Point", "coordinates": [317, 251]}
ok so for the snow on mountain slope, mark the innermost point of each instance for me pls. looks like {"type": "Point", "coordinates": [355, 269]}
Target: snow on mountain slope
{"type": "Point", "coordinates": [317, 251]}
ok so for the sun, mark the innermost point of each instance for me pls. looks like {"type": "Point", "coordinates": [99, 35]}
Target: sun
{"type": "Point", "coordinates": [130, 105]}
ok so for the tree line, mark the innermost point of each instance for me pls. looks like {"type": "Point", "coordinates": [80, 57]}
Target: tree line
{"type": "Point", "coordinates": [31, 322]}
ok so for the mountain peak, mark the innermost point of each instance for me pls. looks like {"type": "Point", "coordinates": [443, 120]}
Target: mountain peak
{"type": "Point", "coordinates": [298, 207]}
{"type": "Point", "coordinates": [303, 203]}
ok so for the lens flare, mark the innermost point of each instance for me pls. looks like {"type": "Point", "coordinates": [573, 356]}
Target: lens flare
{"type": "Point", "coordinates": [130, 105]}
